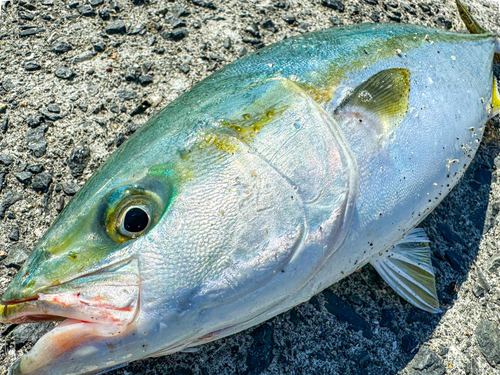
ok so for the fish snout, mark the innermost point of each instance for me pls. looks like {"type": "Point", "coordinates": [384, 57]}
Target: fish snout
{"type": "Point", "coordinates": [95, 308]}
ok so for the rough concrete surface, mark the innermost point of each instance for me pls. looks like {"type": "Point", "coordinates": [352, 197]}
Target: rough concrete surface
{"type": "Point", "coordinates": [78, 77]}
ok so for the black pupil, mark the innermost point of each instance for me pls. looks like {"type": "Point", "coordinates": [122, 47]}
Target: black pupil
{"type": "Point", "coordinates": [136, 220]}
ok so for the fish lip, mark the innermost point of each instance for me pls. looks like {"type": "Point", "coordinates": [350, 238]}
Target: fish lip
{"type": "Point", "coordinates": [46, 306]}
{"type": "Point", "coordinates": [85, 318]}
{"type": "Point", "coordinates": [50, 349]}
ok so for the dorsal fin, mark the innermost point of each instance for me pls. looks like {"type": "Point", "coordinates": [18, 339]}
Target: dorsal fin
{"type": "Point", "coordinates": [470, 23]}
{"type": "Point", "coordinates": [384, 95]}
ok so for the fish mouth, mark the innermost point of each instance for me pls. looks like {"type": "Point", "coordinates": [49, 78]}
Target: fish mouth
{"type": "Point", "coordinates": [100, 304]}
{"type": "Point", "coordinates": [109, 296]}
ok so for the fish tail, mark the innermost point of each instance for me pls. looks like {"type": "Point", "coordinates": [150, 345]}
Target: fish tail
{"type": "Point", "coordinates": [495, 96]}
{"type": "Point", "coordinates": [475, 28]}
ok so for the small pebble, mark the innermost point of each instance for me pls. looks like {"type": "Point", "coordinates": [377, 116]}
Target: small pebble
{"type": "Point", "coordinates": [426, 362]}
{"type": "Point", "coordinates": [204, 4]}
{"type": "Point", "coordinates": [61, 47]}
{"type": "Point", "coordinates": [116, 27]}
{"type": "Point", "coordinates": [333, 4]}
{"type": "Point", "coordinates": [27, 5]}
{"type": "Point", "coordinates": [23, 177]}
{"type": "Point", "coordinates": [14, 234]}
{"type": "Point", "coordinates": [127, 94]}
{"type": "Point", "coordinates": [16, 256]}
{"type": "Point", "coordinates": [35, 120]}
{"type": "Point", "coordinates": [86, 10]}
{"type": "Point", "coordinates": [141, 108]}
{"type": "Point", "coordinates": [289, 18]}
{"type": "Point", "coordinates": [99, 47]}
{"type": "Point", "coordinates": [336, 21]}
{"type": "Point", "coordinates": [35, 168]}
{"type": "Point", "coordinates": [64, 73]}
{"type": "Point", "coordinates": [488, 338]}
{"type": "Point", "coordinates": [136, 29]}
{"type": "Point", "coordinates": [78, 160]}
{"type": "Point", "coordinates": [41, 182]}
{"type": "Point", "coordinates": [53, 108]}
{"type": "Point", "coordinates": [28, 16]}
{"type": "Point", "coordinates": [175, 35]}
{"type": "Point", "coordinates": [32, 66]}
{"type": "Point", "coordinates": [29, 32]}
{"type": "Point", "coordinates": [177, 23]}
{"type": "Point", "coordinates": [70, 188]}
{"type": "Point", "coordinates": [145, 80]}
{"type": "Point", "coordinates": [60, 203]}
{"type": "Point", "coordinates": [4, 125]}
{"type": "Point", "coordinates": [104, 14]}
{"type": "Point", "coordinates": [36, 142]}
{"type": "Point", "coordinates": [155, 99]}
{"type": "Point", "coordinates": [336, 306]}
{"type": "Point", "coordinates": [6, 159]}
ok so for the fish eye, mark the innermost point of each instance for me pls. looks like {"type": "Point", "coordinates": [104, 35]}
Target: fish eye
{"type": "Point", "coordinates": [131, 213]}
{"type": "Point", "coordinates": [134, 220]}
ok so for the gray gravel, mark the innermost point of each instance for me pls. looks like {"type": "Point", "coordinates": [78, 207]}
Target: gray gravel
{"type": "Point", "coordinates": [78, 77]}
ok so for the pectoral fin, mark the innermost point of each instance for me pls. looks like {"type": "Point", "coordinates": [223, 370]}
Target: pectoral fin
{"type": "Point", "coordinates": [408, 270]}
{"type": "Point", "coordinates": [381, 101]}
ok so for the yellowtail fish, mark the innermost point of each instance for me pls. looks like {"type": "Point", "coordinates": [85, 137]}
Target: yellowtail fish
{"type": "Point", "coordinates": [277, 176]}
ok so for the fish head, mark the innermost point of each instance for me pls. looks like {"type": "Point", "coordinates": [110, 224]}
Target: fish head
{"type": "Point", "coordinates": [86, 267]}
{"type": "Point", "coordinates": [145, 251]}
{"type": "Point", "coordinates": [169, 244]}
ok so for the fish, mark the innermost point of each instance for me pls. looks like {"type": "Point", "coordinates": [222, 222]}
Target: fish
{"type": "Point", "coordinates": [270, 180]}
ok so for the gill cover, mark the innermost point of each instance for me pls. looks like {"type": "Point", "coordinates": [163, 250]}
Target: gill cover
{"type": "Point", "coordinates": [249, 207]}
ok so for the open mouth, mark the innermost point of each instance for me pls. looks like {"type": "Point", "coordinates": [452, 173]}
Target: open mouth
{"type": "Point", "coordinates": [109, 296]}
{"type": "Point", "coordinates": [100, 304]}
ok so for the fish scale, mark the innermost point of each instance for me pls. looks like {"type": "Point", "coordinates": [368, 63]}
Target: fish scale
{"type": "Point", "coordinates": [264, 184]}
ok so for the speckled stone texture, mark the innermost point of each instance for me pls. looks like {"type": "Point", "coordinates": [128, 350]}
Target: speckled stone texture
{"type": "Point", "coordinates": [78, 77]}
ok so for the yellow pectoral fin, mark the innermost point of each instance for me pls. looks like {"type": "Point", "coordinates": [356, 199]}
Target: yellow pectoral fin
{"type": "Point", "coordinates": [384, 96]}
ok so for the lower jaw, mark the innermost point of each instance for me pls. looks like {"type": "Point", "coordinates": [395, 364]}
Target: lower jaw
{"type": "Point", "coordinates": [80, 323]}
{"type": "Point", "coordinates": [62, 338]}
